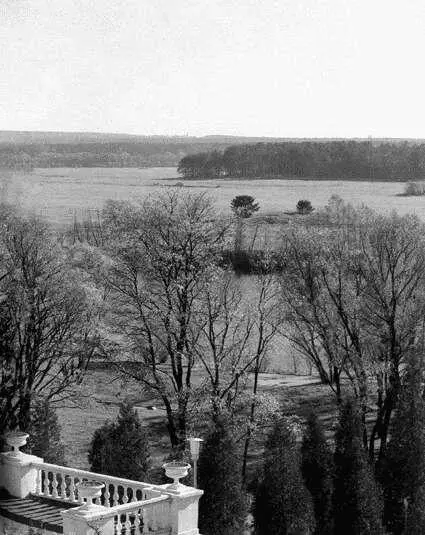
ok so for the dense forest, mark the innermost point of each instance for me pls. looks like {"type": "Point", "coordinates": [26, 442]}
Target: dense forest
{"type": "Point", "coordinates": [215, 156]}
{"type": "Point", "coordinates": [349, 160]}
{"type": "Point", "coordinates": [94, 154]}
{"type": "Point", "coordinates": [27, 150]}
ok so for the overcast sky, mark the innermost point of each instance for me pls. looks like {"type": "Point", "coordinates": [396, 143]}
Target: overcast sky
{"type": "Point", "coordinates": [248, 67]}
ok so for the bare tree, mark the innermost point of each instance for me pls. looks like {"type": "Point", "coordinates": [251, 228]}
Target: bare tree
{"type": "Point", "coordinates": [222, 340]}
{"type": "Point", "coordinates": [163, 254]}
{"type": "Point", "coordinates": [355, 301]}
{"type": "Point", "coordinates": [46, 335]}
{"type": "Point", "coordinates": [267, 322]}
{"type": "Point", "coordinates": [234, 332]}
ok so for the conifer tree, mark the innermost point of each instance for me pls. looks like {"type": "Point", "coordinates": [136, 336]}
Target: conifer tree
{"type": "Point", "coordinates": [283, 505]}
{"type": "Point", "coordinates": [223, 507]}
{"type": "Point", "coordinates": [415, 521]}
{"type": "Point", "coordinates": [357, 498]}
{"type": "Point", "coordinates": [403, 473]}
{"type": "Point", "coordinates": [121, 448]}
{"type": "Point", "coordinates": [45, 434]}
{"type": "Point", "coordinates": [317, 469]}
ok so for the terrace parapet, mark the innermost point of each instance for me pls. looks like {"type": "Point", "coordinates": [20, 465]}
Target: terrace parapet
{"type": "Point", "coordinates": [97, 503]}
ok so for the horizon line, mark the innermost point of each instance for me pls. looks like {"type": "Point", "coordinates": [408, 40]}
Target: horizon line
{"type": "Point", "coordinates": [219, 135]}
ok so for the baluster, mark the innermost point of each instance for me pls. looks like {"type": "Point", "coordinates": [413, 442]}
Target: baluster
{"type": "Point", "coordinates": [115, 496]}
{"type": "Point", "coordinates": [106, 494]}
{"type": "Point", "coordinates": [62, 487]}
{"type": "Point", "coordinates": [38, 490]}
{"type": "Point", "coordinates": [133, 494]}
{"type": "Point", "coordinates": [127, 524]}
{"type": "Point", "coordinates": [72, 497]}
{"type": "Point", "coordinates": [137, 522]}
{"type": "Point", "coordinates": [54, 486]}
{"type": "Point", "coordinates": [118, 525]}
{"type": "Point", "coordinates": [46, 484]}
{"type": "Point", "coordinates": [125, 495]}
{"type": "Point", "coordinates": [80, 498]}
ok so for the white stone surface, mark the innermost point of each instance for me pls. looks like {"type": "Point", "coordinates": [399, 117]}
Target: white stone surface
{"type": "Point", "coordinates": [17, 473]}
{"type": "Point", "coordinates": [184, 511]}
{"type": "Point", "coordinates": [83, 521]}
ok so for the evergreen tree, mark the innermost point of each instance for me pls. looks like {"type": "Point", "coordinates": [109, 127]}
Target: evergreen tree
{"type": "Point", "coordinates": [403, 473]}
{"type": "Point", "coordinates": [45, 434]}
{"type": "Point", "coordinates": [304, 207]}
{"type": "Point", "coordinates": [283, 505]}
{"type": "Point", "coordinates": [317, 469]}
{"type": "Point", "coordinates": [244, 206]}
{"type": "Point", "coordinates": [415, 522]}
{"type": "Point", "coordinates": [223, 507]}
{"type": "Point", "coordinates": [121, 448]}
{"type": "Point", "coordinates": [357, 498]}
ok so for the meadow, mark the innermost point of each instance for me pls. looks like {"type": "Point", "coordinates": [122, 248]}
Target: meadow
{"type": "Point", "coordinates": [60, 194]}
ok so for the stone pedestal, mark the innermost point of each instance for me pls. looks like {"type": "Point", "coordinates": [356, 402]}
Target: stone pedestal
{"type": "Point", "coordinates": [17, 473]}
{"type": "Point", "coordinates": [87, 520]}
{"type": "Point", "coordinates": [184, 510]}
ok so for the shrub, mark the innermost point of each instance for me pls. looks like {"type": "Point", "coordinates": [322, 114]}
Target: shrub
{"type": "Point", "coordinates": [414, 188]}
{"type": "Point", "coordinates": [357, 499]}
{"type": "Point", "coordinates": [223, 507]}
{"type": "Point", "coordinates": [121, 448]}
{"type": "Point", "coordinates": [283, 505]}
{"type": "Point", "coordinates": [317, 469]}
{"type": "Point", "coordinates": [243, 206]}
{"type": "Point", "coordinates": [304, 207]}
{"type": "Point", "coordinates": [45, 440]}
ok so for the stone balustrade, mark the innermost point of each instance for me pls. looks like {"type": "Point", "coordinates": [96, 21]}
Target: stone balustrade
{"type": "Point", "coordinates": [115, 506]}
{"type": "Point", "coordinates": [61, 483]}
{"type": "Point", "coordinates": [142, 517]}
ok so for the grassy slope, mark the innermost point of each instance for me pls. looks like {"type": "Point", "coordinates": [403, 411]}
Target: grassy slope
{"type": "Point", "coordinates": [105, 394]}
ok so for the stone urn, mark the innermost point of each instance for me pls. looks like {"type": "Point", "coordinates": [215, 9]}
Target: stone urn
{"type": "Point", "coordinates": [89, 490]}
{"type": "Point", "coordinates": [176, 470]}
{"type": "Point", "coordinates": [16, 439]}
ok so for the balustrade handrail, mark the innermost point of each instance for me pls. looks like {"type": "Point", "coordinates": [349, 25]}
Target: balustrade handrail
{"type": "Point", "coordinates": [127, 508]}
{"type": "Point", "coordinates": [102, 477]}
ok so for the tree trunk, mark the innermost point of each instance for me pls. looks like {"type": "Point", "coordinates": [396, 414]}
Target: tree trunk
{"type": "Point", "coordinates": [24, 416]}
{"type": "Point", "coordinates": [250, 421]}
{"type": "Point", "coordinates": [171, 424]}
{"type": "Point", "coordinates": [337, 383]}
{"type": "Point", "coordinates": [238, 235]}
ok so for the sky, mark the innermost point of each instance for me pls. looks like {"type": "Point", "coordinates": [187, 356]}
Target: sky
{"type": "Point", "coordinates": [284, 68]}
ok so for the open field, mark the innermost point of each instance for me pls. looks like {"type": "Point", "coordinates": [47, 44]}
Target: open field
{"type": "Point", "coordinates": [60, 193]}
{"type": "Point", "coordinates": [79, 424]}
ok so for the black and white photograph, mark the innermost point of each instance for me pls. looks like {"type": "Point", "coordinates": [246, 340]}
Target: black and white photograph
{"type": "Point", "coordinates": [212, 267]}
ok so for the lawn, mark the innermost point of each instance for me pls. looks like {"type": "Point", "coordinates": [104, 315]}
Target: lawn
{"type": "Point", "coordinates": [101, 394]}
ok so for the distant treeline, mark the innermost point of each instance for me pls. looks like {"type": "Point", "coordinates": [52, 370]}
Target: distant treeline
{"type": "Point", "coordinates": [350, 160]}
{"type": "Point", "coordinates": [122, 154]}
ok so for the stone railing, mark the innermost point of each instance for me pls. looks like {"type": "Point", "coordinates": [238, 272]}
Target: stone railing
{"type": "Point", "coordinates": [103, 504]}
{"type": "Point", "coordinates": [146, 516]}
{"type": "Point", "coordinates": [62, 483]}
